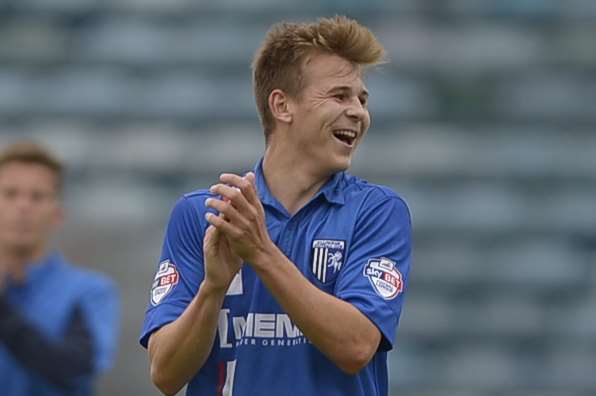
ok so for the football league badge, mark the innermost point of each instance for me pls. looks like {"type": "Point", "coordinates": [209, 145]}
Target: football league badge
{"type": "Point", "coordinates": [327, 258]}
{"type": "Point", "coordinates": [384, 277]}
{"type": "Point", "coordinates": [165, 279]}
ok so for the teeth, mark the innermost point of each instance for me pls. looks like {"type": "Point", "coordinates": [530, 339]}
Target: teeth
{"type": "Point", "coordinates": [348, 134]}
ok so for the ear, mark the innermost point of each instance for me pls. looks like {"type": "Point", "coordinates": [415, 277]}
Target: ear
{"type": "Point", "coordinates": [279, 106]}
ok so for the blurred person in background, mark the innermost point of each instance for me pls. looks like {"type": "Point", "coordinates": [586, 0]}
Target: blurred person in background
{"type": "Point", "coordinates": [58, 322]}
{"type": "Point", "coordinates": [288, 280]}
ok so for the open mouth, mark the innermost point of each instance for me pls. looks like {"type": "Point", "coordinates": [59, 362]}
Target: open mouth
{"type": "Point", "coordinates": [346, 136]}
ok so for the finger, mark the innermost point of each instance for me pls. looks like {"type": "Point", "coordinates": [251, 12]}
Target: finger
{"type": "Point", "coordinates": [211, 234]}
{"type": "Point", "coordinates": [226, 210]}
{"type": "Point", "coordinates": [211, 239]}
{"type": "Point", "coordinates": [223, 226]}
{"type": "Point", "coordinates": [253, 193]}
{"type": "Point", "coordinates": [232, 180]}
{"type": "Point", "coordinates": [250, 176]}
{"type": "Point", "coordinates": [233, 194]}
{"type": "Point", "coordinates": [245, 185]}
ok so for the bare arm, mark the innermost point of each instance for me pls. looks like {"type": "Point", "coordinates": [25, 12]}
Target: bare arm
{"type": "Point", "coordinates": [335, 327]}
{"type": "Point", "coordinates": [178, 350]}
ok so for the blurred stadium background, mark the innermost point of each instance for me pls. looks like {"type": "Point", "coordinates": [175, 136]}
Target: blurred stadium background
{"type": "Point", "coordinates": [485, 121]}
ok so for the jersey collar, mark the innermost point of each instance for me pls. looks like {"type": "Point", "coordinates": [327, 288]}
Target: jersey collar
{"type": "Point", "coordinates": [332, 190]}
{"type": "Point", "coordinates": [39, 268]}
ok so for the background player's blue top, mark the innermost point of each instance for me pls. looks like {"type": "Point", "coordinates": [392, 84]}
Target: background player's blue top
{"type": "Point", "coordinates": [352, 240]}
{"type": "Point", "coordinates": [53, 290]}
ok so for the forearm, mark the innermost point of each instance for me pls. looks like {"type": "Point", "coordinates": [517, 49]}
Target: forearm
{"type": "Point", "coordinates": [178, 350]}
{"type": "Point", "coordinates": [335, 327]}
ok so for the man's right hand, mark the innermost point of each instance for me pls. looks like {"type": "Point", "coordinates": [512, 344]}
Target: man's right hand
{"type": "Point", "coordinates": [221, 265]}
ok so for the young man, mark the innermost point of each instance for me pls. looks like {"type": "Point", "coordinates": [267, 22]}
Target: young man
{"type": "Point", "coordinates": [288, 280]}
{"type": "Point", "coordinates": [58, 323]}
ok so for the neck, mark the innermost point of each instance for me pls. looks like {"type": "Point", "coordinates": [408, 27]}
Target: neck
{"type": "Point", "coordinates": [280, 167]}
{"type": "Point", "coordinates": [15, 260]}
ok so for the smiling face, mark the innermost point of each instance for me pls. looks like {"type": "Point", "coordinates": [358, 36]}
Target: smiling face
{"type": "Point", "coordinates": [29, 206]}
{"type": "Point", "coordinates": [330, 115]}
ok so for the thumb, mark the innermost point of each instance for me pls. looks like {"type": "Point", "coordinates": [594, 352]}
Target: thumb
{"type": "Point", "coordinates": [211, 236]}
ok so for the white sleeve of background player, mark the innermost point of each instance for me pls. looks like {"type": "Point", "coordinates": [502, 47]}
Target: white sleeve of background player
{"type": "Point", "coordinates": [374, 277]}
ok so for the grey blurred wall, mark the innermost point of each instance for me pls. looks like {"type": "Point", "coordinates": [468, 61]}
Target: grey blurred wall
{"type": "Point", "coordinates": [484, 120]}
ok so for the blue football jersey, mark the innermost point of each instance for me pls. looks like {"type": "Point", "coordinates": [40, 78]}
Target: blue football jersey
{"type": "Point", "coordinates": [53, 289]}
{"type": "Point", "coordinates": [352, 240]}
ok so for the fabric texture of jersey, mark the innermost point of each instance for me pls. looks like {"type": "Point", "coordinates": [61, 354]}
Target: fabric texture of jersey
{"type": "Point", "coordinates": [352, 240]}
{"type": "Point", "coordinates": [54, 289]}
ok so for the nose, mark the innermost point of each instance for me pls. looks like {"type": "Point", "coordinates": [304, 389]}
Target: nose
{"type": "Point", "coordinates": [357, 111]}
{"type": "Point", "coordinates": [23, 202]}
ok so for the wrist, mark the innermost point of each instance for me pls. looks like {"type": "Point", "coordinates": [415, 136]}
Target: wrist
{"type": "Point", "coordinates": [209, 288]}
{"type": "Point", "coordinates": [266, 258]}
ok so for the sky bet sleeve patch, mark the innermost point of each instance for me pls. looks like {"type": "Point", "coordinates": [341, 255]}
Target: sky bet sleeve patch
{"type": "Point", "coordinates": [165, 280]}
{"type": "Point", "coordinates": [384, 277]}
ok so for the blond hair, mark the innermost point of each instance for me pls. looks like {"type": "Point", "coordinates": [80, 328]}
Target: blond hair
{"type": "Point", "coordinates": [32, 153]}
{"type": "Point", "coordinates": [278, 62]}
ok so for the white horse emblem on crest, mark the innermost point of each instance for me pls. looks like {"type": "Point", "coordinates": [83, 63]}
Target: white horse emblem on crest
{"type": "Point", "coordinates": [327, 258]}
{"type": "Point", "coordinates": [335, 260]}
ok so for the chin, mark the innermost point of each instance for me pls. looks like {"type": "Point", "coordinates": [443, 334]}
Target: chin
{"type": "Point", "coordinates": [341, 164]}
{"type": "Point", "coordinates": [19, 245]}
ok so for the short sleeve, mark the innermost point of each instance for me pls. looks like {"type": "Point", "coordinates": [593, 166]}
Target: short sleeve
{"type": "Point", "coordinates": [180, 270]}
{"type": "Point", "coordinates": [375, 275]}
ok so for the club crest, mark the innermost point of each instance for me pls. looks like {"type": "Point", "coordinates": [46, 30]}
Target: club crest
{"type": "Point", "coordinates": [384, 277]}
{"type": "Point", "coordinates": [327, 258]}
{"type": "Point", "coordinates": [165, 279]}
